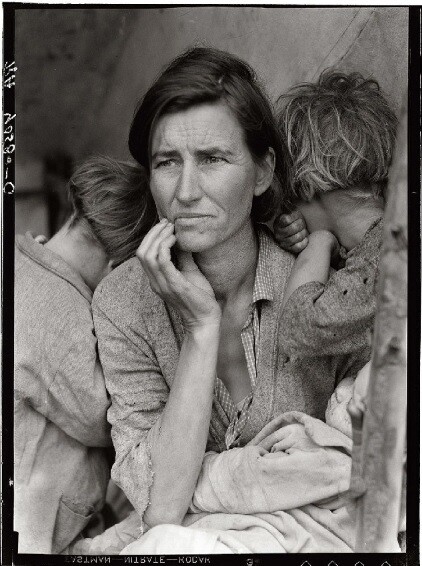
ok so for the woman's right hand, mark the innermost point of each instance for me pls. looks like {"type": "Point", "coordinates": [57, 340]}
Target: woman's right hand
{"type": "Point", "coordinates": [187, 290]}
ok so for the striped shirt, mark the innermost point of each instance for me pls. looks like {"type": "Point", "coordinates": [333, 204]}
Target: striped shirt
{"type": "Point", "coordinates": [263, 290]}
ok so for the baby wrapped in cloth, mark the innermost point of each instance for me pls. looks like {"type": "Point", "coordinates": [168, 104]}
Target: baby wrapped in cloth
{"type": "Point", "coordinates": [282, 493]}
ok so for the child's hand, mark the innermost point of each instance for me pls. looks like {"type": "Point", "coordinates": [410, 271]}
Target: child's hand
{"type": "Point", "coordinates": [287, 439]}
{"type": "Point", "coordinates": [357, 404]}
{"type": "Point", "coordinates": [290, 232]}
{"type": "Point", "coordinates": [361, 384]}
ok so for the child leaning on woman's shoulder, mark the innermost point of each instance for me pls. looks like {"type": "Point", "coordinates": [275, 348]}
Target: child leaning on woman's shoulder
{"type": "Point", "coordinates": [340, 132]}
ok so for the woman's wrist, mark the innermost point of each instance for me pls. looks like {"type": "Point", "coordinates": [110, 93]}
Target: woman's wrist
{"type": "Point", "coordinates": [206, 329]}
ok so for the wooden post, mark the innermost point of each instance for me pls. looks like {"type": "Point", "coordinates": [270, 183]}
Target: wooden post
{"type": "Point", "coordinates": [384, 423]}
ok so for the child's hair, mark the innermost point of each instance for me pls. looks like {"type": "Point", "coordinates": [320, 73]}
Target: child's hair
{"type": "Point", "coordinates": [340, 132]}
{"type": "Point", "coordinates": [112, 198]}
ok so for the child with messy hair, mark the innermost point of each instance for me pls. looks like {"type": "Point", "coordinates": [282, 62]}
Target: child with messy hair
{"type": "Point", "coordinates": [61, 434]}
{"type": "Point", "coordinates": [340, 132]}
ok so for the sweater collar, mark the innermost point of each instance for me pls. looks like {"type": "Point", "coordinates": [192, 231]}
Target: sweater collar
{"type": "Point", "coordinates": [53, 262]}
{"type": "Point", "coordinates": [263, 286]}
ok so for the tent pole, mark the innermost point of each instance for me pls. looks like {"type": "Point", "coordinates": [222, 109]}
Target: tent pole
{"type": "Point", "coordinates": [377, 474]}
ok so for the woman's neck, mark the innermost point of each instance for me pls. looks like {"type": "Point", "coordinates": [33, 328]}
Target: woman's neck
{"type": "Point", "coordinates": [230, 267]}
{"type": "Point", "coordinates": [85, 256]}
{"type": "Point", "coordinates": [350, 218]}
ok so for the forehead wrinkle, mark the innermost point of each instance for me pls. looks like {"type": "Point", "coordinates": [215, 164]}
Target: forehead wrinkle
{"type": "Point", "coordinates": [199, 135]}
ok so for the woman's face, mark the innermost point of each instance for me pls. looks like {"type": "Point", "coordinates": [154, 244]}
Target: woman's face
{"type": "Point", "coordinates": [203, 176]}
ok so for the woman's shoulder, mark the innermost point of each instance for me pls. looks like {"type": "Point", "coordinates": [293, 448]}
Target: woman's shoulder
{"type": "Point", "coordinates": [126, 288]}
{"type": "Point", "coordinates": [280, 260]}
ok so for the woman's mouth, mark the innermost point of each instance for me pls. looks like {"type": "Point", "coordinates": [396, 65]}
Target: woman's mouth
{"type": "Point", "coordinates": [190, 218]}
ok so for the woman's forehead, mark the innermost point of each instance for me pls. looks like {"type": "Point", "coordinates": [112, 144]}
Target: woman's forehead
{"type": "Point", "coordinates": [200, 126]}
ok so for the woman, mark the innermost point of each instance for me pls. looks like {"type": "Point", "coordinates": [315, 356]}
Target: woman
{"type": "Point", "coordinates": [191, 342]}
{"type": "Point", "coordinates": [61, 429]}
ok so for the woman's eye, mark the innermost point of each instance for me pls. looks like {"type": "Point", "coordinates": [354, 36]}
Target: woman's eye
{"type": "Point", "coordinates": [214, 159]}
{"type": "Point", "coordinates": [164, 163]}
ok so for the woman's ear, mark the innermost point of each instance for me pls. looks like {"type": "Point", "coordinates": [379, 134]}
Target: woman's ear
{"type": "Point", "coordinates": [265, 173]}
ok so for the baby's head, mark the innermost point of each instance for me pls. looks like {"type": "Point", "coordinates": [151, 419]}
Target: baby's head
{"type": "Point", "coordinates": [349, 388]}
{"type": "Point", "coordinates": [340, 132]}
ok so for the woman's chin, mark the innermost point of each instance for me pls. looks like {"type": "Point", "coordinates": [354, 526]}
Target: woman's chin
{"type": "Point", "coordinates": [194, 242]}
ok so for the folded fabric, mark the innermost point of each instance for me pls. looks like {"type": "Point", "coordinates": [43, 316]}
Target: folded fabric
{"type": "Point", "coordinates": [110, 541]}
{"type": "Point", "coordinates": [295, 460]}
{"type": "Point", "coordinates": [308, 529]}
{"type": "Point", "coordinates": [284, 493]}
{"type": "Point", "coordinates": [174, 539]}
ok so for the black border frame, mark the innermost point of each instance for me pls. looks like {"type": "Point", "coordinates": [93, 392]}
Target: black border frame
{"type": "Point", "coordinates": [9, 538]}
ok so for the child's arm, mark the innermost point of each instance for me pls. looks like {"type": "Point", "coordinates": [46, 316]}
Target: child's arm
{"type": "Point", "coordinates": [335, 317]}
{"type": "Point", "coordinates": [313, 263]}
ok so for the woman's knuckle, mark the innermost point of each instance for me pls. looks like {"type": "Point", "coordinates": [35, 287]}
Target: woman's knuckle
{"type": "Point", "coordinates": [150, 256]}
{"type": "Point", "coordinates": [161, 258]}
{"type": "Point", "coordinates": [140, 253]}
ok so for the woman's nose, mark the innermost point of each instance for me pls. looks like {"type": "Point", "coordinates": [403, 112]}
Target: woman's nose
{"type": "Point", "coordinates": [188, 187]}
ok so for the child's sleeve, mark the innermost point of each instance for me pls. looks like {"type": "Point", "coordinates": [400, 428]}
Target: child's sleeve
{"type": "Point", "coordinates": [335, 318]}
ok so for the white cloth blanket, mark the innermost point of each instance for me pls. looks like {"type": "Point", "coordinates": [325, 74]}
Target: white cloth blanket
{"type": "Point", "coordinates": [294, 461]}
{"type": "Point", "coordinates": [283, 493]}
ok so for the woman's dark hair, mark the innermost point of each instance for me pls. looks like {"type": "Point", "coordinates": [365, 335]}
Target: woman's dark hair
{"type": "Point", "coordinates": [340, 132]}
{"type": "Point", "coordinates": [111, 199]}
{"type": "Point", "coordinates": [203, 75]}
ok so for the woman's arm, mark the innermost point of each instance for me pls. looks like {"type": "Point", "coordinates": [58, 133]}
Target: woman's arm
{"type": "Point", "coordinates": [136, 386]}
{"type": "Point", "coordinates": [292, 466]}
{"type": "Point", "coordinates": [178, 439]}
{"type": "Point", "coordinates": [152, 474]}
{"type": "Point", "coordinates": [160, 435]}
